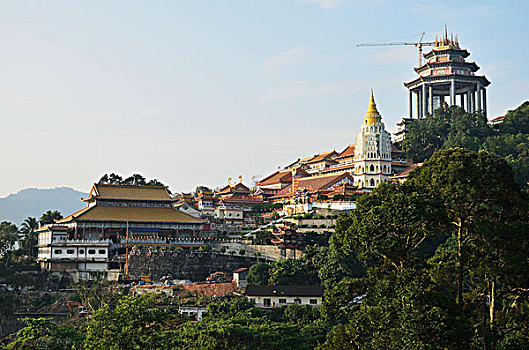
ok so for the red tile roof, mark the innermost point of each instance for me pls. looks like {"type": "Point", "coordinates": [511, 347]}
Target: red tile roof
{"type": "Point", "coordinates": [348, 152]}
{"type": "Point", "coordinates": [316, 183]}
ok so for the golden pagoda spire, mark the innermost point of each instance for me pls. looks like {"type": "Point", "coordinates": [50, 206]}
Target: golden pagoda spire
{"type": "Point", "coordinates": [445, 37]}
{"type": "Point", "coordinates": [372, 116]}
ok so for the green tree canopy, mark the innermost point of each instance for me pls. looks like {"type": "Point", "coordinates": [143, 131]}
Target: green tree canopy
{"type": "Point", "coordinates": [50, 216]}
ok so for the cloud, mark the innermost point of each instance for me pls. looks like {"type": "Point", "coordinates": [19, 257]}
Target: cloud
{"type": "Point", "coordinates": [327, 4]}
{"type": "Point", "coordinates": [306, 89]}
{"type": "Point", "coordinates": [294, 55]}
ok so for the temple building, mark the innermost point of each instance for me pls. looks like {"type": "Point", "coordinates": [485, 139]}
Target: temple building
{"type": "Point", "coordinates": [372, 150]}
{"type": "Point", "coordinates": [115, 216]}
{"type": "Point", "coordinates": [361, 166]}
{"type": "Point", "coordinates": [446, 74]}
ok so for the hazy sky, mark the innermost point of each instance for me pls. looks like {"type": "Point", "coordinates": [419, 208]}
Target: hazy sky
{"type": "Point", "coordinates": [192, 92]}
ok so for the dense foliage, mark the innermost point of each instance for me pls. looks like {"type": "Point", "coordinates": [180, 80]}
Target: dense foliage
{"type": "Point", "coordinates": [134, 179]}
{"type": "Point", "coordinates": [456, 128]}
{"type": "Point", "coordinates": [472, 293]}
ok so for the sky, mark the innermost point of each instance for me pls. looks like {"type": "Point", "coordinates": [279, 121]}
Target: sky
{"type": "Point", "coordinates": [194, 92]}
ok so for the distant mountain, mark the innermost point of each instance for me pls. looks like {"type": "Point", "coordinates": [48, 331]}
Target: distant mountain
{"type": "Point", "coordinates": [33, 202]}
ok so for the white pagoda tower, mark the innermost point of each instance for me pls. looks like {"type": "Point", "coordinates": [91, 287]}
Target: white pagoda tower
{"type": "Point", "coordinates": [372, 150]}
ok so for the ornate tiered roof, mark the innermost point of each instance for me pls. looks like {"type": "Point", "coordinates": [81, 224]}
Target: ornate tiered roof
{"type": "Point", "coordinates": [132, 214]}
{"type": "Point", "coordinates": [128, 192]}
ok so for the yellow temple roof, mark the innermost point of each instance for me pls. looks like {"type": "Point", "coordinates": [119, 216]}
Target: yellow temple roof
{"type": "Point", "coordinates": [129, 192]}
{"type": "Point", "coordinates": [133, 214]}
{"type": "Point", "coordinates": [372, 116]}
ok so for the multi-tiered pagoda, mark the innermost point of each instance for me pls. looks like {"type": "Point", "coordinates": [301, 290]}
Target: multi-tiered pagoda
{"type": "Point", "coordinates": [446, 74]}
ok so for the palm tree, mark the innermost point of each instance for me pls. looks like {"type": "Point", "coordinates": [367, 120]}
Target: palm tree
{"type": "Point", "coordinates": [49, 217]}
{"type": "Point", "coordinates": [30, 239]}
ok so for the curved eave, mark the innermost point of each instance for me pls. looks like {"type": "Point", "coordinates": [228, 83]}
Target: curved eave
{"type": "Point", "coordinates": [464, 53]}
{"type": "Point", "coordinates": [430, 65]}
{"type": "Point", "coordinates": [468, 78]}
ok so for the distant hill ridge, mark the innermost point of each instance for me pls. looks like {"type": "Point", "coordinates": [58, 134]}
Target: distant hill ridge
{"type": "Point", "coordinates": [34, 201]}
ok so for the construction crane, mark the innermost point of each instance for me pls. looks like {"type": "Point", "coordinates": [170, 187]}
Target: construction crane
{"type": "Point", "coordinates": [418, 44]}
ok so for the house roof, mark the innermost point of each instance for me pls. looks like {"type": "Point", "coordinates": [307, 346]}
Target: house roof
{"type": "Point", "coordinates": [406, 171]}
{"type": "Point", "coordinates": [240, 270]}
{"type": "Point", "coordinates": [129, 192]}
{"type": "Point", "coordinates": [497, 119]}
{"type": "Point", "coordinates": [232, 188]}
{"type": "Point", "coordinates": [133, 214]}
{"type": "Point", "coordinates": [348, 152]}
{"type": "Point", "coordinates": [322, 156]}
{"type": "Point", "coordinates": [315, 183]}
{"type": "Point", "coordinates": [294, 291]}
{"type": "Point", "coordinates": [278, 176]}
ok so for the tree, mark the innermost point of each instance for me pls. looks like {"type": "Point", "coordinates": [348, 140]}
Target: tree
{"type": "Point", "coordinates": [391, 224]}
{"type": "Point", "coordinates": [259, 274]}
{"type": "Point", "coordinates": [472, 186]}
{"type": "Point", "coordinates": [135, 179]}
{"type": "Point", "coordinates": [293, 272]}
{"type": "Point", "coordinates": [50, 217]}
{"type": "Point", "coordinates": [488, 222]}
{"type": "Point", "coordinates": [467, 130]}
{"type": "Point", "coordinates": [8, 239]}
{"type": "Point", "coordinates": [30, 239]}
{"type": "Point", "coordinates": [425, 136]}
{"type": "Point", "coordinates": [134, 323]}
{"type": "Point", "coordinates": [42, 333]}
{"type": "Point", "coordinates": [400, 310]}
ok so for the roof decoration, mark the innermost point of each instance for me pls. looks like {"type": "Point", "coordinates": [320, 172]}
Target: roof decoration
{"type": "Point", "coordinates": [446, 43]}
{"type": "Point", "coordinates": [372, 116]}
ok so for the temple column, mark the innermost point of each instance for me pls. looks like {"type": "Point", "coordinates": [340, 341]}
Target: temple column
{"type": "Point", "coordinates": [473, 101]}
{"type": "Point", "coordinates": [430, 98]}
{"type": "Point", "coordinates": [452, 92]}
{"type": "Point", "coordinates": [418, 103]}
{"type": "Point", "coordinates": [484, 102]}
{"type": "Point", "coordinates": [478, 91]}
{"type": "Point", "coordinates": [424, 105]}
{"type": "Point", "coordinates": [462, 100]}
{"type": "Point", "coordinates": [410, 104]}
{"type": "Point", "coordinates": [468, 101]}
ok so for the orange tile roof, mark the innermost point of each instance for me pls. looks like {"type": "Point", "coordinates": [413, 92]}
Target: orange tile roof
{"type": "Point", "coordinates": [348, 152]}
{"type": "Point", "coordinates": [316, 183]}
{"type": "Point", "coordinates": [129, 192]}
{"type": "Point", "coordinates": [134, 214]}
{"type": "Point", "coordinates": [321, 156]}
{"type": "Point", "coordinates": [278, 176]}
{"type": "Point", "coordinates": [406, 171]}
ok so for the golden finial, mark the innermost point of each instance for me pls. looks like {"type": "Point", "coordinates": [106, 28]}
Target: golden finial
{"type": "Point", "coordinates": [372, 112]}
{"type": "Point", "coordinates": [445, 37]}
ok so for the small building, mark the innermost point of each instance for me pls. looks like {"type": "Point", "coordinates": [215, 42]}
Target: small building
{"type": "Point", "coordinates": [239, 277]}
{"type": "Point", "coordinates": [277, 296]}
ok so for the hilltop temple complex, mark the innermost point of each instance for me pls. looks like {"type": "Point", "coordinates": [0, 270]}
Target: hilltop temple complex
{"type": "Point", "coordinates": [444, 80]}
{"type": "Point", "coordinates": [360, 167]}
